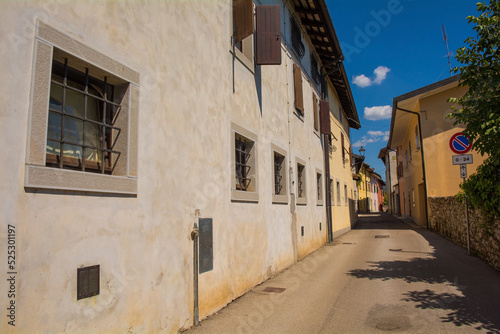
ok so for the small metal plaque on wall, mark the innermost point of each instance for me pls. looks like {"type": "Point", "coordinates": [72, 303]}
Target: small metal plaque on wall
{"type": "Point", "coordinates": [87, 282]}
{"type": "Point", "coordinates": [206, 245]}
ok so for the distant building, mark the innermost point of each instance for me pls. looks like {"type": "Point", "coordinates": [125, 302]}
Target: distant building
{"type": "Point", "coordinates": [421, 135]}
{"type": "Point", "coordinates": [389, 158]}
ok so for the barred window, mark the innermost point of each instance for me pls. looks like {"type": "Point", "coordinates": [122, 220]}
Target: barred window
{"type": "Point", "coordinates": [81, 132]}
{"type": "Point", "coordinates": [319, 188]}
{"type": "Point", "coordinates": [332, 197]}
{"type": "Point", "coordinates": [346, 199]}
{"type": "Point", "coordinates": [279, 169]}
{"type": "Point", "coordinates": [244, 185]}
{"type": "Point", "coordinates": [242, 148]}
{"type": "Point", "coordinates": [301, 181]}
{"type": "Point", "coordinates": [314, 70]}
{"type": "Point", "coordinates": [297, 44]}
{"type": "Point", "coordinates": [338, 193]}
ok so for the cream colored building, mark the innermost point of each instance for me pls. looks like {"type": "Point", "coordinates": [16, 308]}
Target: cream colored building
{"type": "Point", "coordinates": [421, 135]}
{"type": "Point", "coordinates": [125, 123]}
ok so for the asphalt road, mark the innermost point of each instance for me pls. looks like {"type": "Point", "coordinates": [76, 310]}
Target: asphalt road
{"type": "Point", "coordinates": [383, 276]}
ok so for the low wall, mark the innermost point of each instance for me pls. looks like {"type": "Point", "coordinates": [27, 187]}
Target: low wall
{"type": "Point", "coordinates": [447, 217]}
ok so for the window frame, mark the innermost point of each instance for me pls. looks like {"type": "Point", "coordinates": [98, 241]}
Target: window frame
{"type": "Point", "coordinates": [252, 194]}
{"type": "Point", "coordinates": [281, 198]}
{"type": "Point", "coordinates": [339, 200]}
{"type": "Point", "coordinates": [50, 42]}
{"type": "Point", "coordinates": [346, 200]}
{"type": "Point", "coordinates": [319, 187]}
{"type": "Point", "coordinates": [301, 180]}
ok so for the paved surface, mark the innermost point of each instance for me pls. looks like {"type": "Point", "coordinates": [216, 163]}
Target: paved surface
{"type": "Point", "coordinates": [383, 276]}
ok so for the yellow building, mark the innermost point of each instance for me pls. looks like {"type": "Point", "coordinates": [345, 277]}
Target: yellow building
{"type": "Point", "coordinates": [365, 188]}
{"type": "Point", "coordinates": [421, 135]}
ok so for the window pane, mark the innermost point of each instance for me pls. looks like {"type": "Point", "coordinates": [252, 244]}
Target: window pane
{"type": "Point", "coordinates": [53, 147]}
{"type": "Point", "coordinates": [73, 130]}
{"type": "Point", "coordinates": [92, 155]}
{"type": "Point", "coordinates": [72, 156]}
{"type": "Point", "coordinates": [75, 103]}
{"type": "Point", "coordinates": [93, 135]}
{"type": "Point", "coordinates": [94, 107]}
{"type": "Point", "coordinates": [54, 126]}
{"type": "Point", "coordinates": [56, 97]}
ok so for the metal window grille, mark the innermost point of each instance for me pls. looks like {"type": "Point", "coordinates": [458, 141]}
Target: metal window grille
{"type": "Point", "coordinates": [318, 185]}
{"type": "Point", "coordinates": [345, 194]}
{"type": "Point", "coordinates": [81, 134]}
{"type": "Point", "coordinates": [300, 181]}
{"type": "Point", "coordinates": [331, 191]}
{"type": "Point", "coordinates": [242, 154]}
{"type": "Point", "coordinates": [338, 193]}
{"type": "Point", "coordinates": [296, 38]}
{"type": "Point", "coordinates": [314, 70]}
{"type": "Point", "coordinates": [278, 178]}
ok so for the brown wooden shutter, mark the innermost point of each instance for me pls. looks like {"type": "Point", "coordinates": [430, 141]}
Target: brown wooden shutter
{"type": "Point", "coordinates": [342, 143]}
{"type": "Point", "coordinates": [324, 110]}
{"type": "Point", "coordinates": [316, 116]}
{"type": "Point", "coordinates": [297, 84]}
{"type": "Point", "coordinates": [268, 35]}
{"type": "Point", "coordinates": [242, 19]}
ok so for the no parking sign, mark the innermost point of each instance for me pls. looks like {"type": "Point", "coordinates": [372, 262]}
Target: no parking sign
{"type": "Point", "coordinates": [459, 143]}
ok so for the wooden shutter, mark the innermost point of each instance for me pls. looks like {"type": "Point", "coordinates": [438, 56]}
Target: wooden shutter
{"type": "Point", "coordinates": [342, 143]}
{"type": "Point", "coordinates": [316, 116]}
{"type": "Point", "coordinates": [242, 19]}
{"type": "Point", "coordinates": [268, 36]}
{"type": "Point", "coordinates": [297, 84]}
{"type": "Point", "coordinates": [324, 110]}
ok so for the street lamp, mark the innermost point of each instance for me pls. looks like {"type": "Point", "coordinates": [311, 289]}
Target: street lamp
{"type": "Point", "coordinates": [362, 151]}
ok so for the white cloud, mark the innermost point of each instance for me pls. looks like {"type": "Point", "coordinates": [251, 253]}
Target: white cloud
{"type": "Point", "coordinates": [380, 75]}
{"type": "Point", "coordinates": [375, 133]}
{"type": "Point", "coordinates": [378, 113]}
{"type": "Point", "coordinates": [365, 140]}
{"type": "Point", "coordinates": [372, 137]}
{"type": "Point", "coordinates": [362, 81]}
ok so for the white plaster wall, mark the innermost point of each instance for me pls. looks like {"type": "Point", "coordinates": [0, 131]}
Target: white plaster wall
{"type": "Point", "coordinates": [189, 95]}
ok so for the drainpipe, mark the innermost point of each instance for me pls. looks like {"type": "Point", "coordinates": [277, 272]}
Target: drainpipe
{"type": "Point", "coordinates": [327, 187]}
{"type": "Point", "coordinates": [194, 237]}
{"type": "Point", "coordinates": [422, 154]}
{"type": "Point", "coordinates": [328, 203]}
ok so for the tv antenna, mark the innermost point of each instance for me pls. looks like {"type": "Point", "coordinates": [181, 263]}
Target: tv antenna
{"type": "Point", "coordinates": [447, 49]}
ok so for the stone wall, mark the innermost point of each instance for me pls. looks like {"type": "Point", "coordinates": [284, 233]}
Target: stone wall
{"type": "Point", "coordinates": [447, 217]}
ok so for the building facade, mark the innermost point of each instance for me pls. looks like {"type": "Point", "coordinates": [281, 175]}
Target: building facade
{"type": "Point", "coordinates": [129, 122]}
{"type": "Point", "coordinates": [422, 135]}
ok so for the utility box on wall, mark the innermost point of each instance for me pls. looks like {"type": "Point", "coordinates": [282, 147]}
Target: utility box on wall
{"type": "Point", "coordinates": [206, 258]}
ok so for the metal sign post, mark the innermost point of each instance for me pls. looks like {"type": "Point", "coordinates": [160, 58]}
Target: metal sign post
{"type": "Point", "coordinates": [460, 145]}
{"type": "Point", "coordinates": [463, 175]}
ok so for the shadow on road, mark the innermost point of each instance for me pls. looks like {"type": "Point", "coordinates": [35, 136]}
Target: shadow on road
{"type": "Point", "coordinates": [477, 302]}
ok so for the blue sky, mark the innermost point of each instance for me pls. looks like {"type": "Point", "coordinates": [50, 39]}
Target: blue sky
{"type": "Point", "coordinates": [392, 47]}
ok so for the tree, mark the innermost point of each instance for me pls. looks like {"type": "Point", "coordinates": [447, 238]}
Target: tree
{"type": "Point", "coordinates": [479, 108]}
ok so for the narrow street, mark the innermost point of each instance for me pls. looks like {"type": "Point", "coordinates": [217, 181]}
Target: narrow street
{"type": "Point", "coordinates": [383, 276]}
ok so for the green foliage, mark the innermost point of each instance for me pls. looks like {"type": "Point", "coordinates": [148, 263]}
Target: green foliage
{"type": "Point", "coordinates": [386, 200]}
{"type": "Point", "coordinates": [479, 108]}
{"type": "Point", "coordinates": [358, 181]}
{"type": "Point", "coordinates": [483, 188]}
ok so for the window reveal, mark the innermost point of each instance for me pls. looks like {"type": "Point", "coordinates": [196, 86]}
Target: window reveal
{"type": "Point", "coordinates": [81, 134]}
{"type": "Point", "coordinates": [279, 162]}
{"type": "Point", "coordinates": [242, 154]}
{"type": "Point", "coordinates": [301, 187]}
{"type": "Point", "coordinates": [297, 44]}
